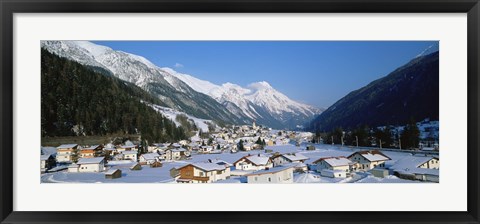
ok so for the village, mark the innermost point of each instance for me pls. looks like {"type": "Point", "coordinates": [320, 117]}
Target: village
{"type": "Point", "coordinates": [242, 154]}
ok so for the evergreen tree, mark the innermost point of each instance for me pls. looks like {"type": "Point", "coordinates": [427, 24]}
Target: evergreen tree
{"type": "Point", "coordinates": [240, 145]}
{"type": "Point", "coordinates": [410, 136]}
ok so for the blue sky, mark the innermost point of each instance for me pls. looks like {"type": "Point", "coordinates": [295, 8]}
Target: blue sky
{"type": "Point", "coordinates": [313, 72]}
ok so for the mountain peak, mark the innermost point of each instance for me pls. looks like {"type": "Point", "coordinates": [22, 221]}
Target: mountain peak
{"type": "Point", "coordinates": [260, 85]}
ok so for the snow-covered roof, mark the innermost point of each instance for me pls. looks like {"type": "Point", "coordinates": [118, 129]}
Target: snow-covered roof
{"type": "Point", "coordinates": [150, 156]}
{"type": "Point", "coordinates": [221, 162]}
{"type": "Point", "coordinates": [44, 157]}
{"type": "Point", "coordinates": [410, 162]}
{"type": "Point", "coordinates": [127, 146]}
{"type": "Point", "coordinates": [256, 159]}
{"type": "Point", "coordinates": [271, 170]}
{"type": "Point", "coordinates": [129, 152]}
{"type": "Point", "coordinates": [434, 172]}
{"type": "Point", "coordinates": [129, 143]}
{"type": "Point", "coordinates": [90, 160]}
{"type": "Point", "coordinates": [66, 146]}
{"type": "Point", "coordinates": [337, 161]}
{"type": "Point", "coordinates": [295, 157]}
{"type": "Point", "coordinates": [372, 156]}
{"type": "Point", "coordinates": [111, 171]}
{"type": "Point", "coordinates": [206, 166]}
{"type": "Point", "coordinates": [332, 171]}
{"type": "Point", "coordinates": [179, 150]}
{"type": "Point", "coordinates": [91, 147]}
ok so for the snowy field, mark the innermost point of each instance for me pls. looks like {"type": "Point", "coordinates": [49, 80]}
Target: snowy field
{"type": "Point", "coordinates": [162, 174]}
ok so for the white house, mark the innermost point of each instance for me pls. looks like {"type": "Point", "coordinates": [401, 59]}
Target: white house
{"type": "Point", "coordinates": [334, 163]}
{"type": "Point", "coordinates": [368, 160]}
{"type": "Point", "coordinates": [281, 159]}
{"type": "Point", "coordinates": [67, 153]}
{"type": "Point", "coordinates": [409, 162]}
{"type": "Point", "coordinates": [278, 174]}
{"type": "Point", "coordinates": [130, 155]}
{"type": "Point", "coordinates": [96, 164]}
{"type": "Point", "coordinates": [149, 158]}
{"type": "Point", "coordinates": [176, 154]}
{"type": "Point", "coordinates": [255, 162]}
{"type": "Point", "coordinates": [203, 172]}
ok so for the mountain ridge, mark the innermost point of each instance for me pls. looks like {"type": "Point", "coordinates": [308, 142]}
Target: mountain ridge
{"type": "Point", "coordinates": [228, 103]}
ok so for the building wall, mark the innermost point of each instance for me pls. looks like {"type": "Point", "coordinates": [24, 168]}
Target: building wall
{"type": "Point", "coordinates": [132, 157]}
{"type": "Point", "coordinates": [324, 165]}
{"type": "Point", "coordinates": [91, 168]}
{"type": "Point", "coordinates": [285, 176]}
{"type": "Point", "coordinates": [432, 164]}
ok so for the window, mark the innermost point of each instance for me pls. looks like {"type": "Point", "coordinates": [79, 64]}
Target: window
{"type": "Point", "coordinates": [339, 175]}
{"type": "Point", "coordinates": [269, 179]}
{"type": "Point", "coordinates": [219, 172]}
{"type": "Point", "coordinates": [256, 178]}
{"type": "Point", "coordinates": [201, 174]}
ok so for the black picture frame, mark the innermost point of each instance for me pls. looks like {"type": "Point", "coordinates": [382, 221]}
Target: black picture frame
{"type": "Point", "coordinates": [9, 7]}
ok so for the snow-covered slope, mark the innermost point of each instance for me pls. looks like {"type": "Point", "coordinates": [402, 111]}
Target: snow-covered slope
{"type": "Point", "coordinates": [143, 73]}
{"type": "Point", "coordinates": [227, 102]}
{"type": "Point", "coordinates": [256, 95]}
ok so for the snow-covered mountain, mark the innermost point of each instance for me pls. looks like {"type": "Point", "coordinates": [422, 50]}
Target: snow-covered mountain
{"type": "Point", "coordinates": [228, 102]}
{"type": "Point", "coordinates": [260, 95]}
{"type": "Point", "coordinates": [138, 70]}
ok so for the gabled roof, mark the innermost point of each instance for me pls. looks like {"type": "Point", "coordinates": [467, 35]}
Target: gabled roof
{"type": "Point", "coordinates": [150, 156]}
{"type": "Point", "coordinates": [257, 160]}
{"type": "Point", "coordinates": [94, 160]}
{"type": "Point", "coordinates": [295, 157]}
{"type": "Point", "coordinates": [129, 152]}
{"type": "Point", "coordinates": [205, 166]}
{"type": "Point", "coordinates": [67, 146]}
{"type": "Point", "coordinates": [128, 146]}
{"type": "Point", "coordinates": [91, 147]}
{"type": "Point", "coordinates": [271, 170]}
{"type": "Point", "coordinates": [372, 156]}
{"type": "Point", "coordinates": [411, 162]}
{"type": "Point", "coordinates": [111, 171]}
{"type": "Point", "coordinates": [335, 161]}
{"type": "Point", "coordinates": [45, 157]}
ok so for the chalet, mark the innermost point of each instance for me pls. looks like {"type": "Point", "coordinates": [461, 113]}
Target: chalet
{"type": "Point", "coordinates": [124, 148]}
{"type": "Point", "coordinates": [46, 162]}
{"type": "Point", "coordinates": [129, 155]}
{"type": "Point", "coordinates": [176, 154]}
{"type": "Point", "coordinates": [157, 147]}
{"type": "Point", "coordinates": [368, 160]}
{"type": "Point", "coordinates": [279, 174]}
{"type": "Point", "coordinates": [407, 162]}
{"type": "Point", "coordinates": [67, 153]}
{"type": "Point", "coordinates": [334, 163]}
{"type": "Point", "coordinates": [202, 173]}
{"type": "Point", "coordinates": [149, 158]}
{"type": "Point", "coordinates": [92, 151]}
{"type": "Point", "coordinates": [281, 159]}
{"type": "Point", "coordinates": [96, 164]}
{"type": "Point", "coordinates": [205, 149]}
{"type": "Point", "coordinates": [255, 162]}
{"type": "Point", "coordinates": [424, 168]}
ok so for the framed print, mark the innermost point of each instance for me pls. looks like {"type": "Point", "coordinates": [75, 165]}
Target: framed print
{"type": "Point", "coordinates": [212, 111]}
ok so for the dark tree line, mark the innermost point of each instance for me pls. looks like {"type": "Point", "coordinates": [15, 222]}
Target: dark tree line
{"type": "Point", "coordinates": [79, 100]}
{"type": "Point", "coordinates": [407, 139]}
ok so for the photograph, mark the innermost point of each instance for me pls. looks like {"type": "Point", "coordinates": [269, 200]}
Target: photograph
{"type": "Point", "coordinates": [240, 112]}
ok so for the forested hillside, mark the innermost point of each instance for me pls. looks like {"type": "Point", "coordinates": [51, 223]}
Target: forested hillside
{"type": "Point", "coordinates": [81, 100]}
